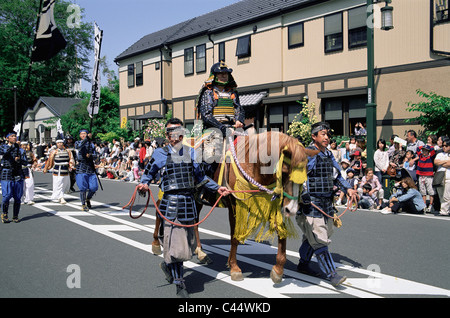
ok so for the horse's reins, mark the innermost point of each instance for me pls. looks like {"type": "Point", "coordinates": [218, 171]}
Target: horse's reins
{"type": "Point", "coordinates": [133, 198]}
{"type": "Point", "coordinates": [261, 188]}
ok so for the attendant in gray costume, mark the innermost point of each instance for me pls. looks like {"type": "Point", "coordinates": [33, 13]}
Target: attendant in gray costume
{"type": "Point", "coordinates": [323, 174]}
{"type": "Point", "coordinates": [180, 173]}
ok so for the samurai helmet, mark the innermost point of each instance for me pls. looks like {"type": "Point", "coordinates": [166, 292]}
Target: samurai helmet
{"type": "Point", "coordinates": [221, 67]}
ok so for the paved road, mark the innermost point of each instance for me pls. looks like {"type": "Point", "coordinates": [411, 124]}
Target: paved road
{"type": "Point", "coordinates": [59, 251]}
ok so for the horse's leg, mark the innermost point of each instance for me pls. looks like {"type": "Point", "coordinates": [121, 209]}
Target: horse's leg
{"type": "Point", "coordinates": [156, 246]}
{"type": "Point", "coordinates": [235, 271]}
{"type": "Point", "coordinates": [276, 274]}
{"type": "Point", "coordinates": [201, 255]}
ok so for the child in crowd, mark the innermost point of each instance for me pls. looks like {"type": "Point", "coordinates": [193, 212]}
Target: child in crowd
{"type": "Point", "coordinates": [353, 181]}
{"type": "Point", "coordinates": [407, 164]}
{"type": "Point", "coordinates": [135, 166]}
{"type": "Point", "coordinates": [344, 166]}
{"type": "Point", "coordinates": [129, 176]}
{"type": "Point", "coordinates": [368, 200]}
{"type": "Point", "coordinates": [425, 173]}
{"type": "Point", "coordinates": [376, 187]}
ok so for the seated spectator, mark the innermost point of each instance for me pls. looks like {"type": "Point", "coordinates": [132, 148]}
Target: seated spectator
{"type": "Point", "coordinates": [101, 167]}
{"type": "Point", "coordinates": [375, 185]}
{"type": "Point", "coordinates": [344, 166]}
{"type": "Point", "coordinates": [409, 200]}
{"type": "Point", "coordinates": [129, 177]}
{"type": "Point", "coordinates": [353, 181]}
{"type": "Point", "coordinates": [367, 200]}
{"type": "Point", "coordinates": [114, 168]}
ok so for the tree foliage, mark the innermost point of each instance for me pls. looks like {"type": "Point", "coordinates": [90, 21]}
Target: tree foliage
{"type": "Point", "coordinates": [54, 77]}
{"type": "Point", "coordinates": [301, 125]}
{"type": "Point", "coordinates": [433, 113]}
{"type": "Point", "coordinates": [105, 125]}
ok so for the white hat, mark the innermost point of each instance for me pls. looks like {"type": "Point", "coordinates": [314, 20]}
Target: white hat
{"type": "Point", "coordinates": [59, 140]}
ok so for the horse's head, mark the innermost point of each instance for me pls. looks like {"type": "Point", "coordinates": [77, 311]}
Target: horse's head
{"type": "Point", "coordinates": [293, 172]}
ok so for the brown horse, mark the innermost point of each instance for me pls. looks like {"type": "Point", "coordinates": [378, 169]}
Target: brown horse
{"type": "Point", "coordinates": [269, 146]}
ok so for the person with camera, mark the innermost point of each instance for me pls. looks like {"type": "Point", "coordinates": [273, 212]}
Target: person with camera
{"type": "Point", "coordinates": [360, 130]}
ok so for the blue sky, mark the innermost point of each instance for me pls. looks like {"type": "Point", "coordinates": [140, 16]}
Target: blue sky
{"type": "Point", "coordinates": [126, 21]}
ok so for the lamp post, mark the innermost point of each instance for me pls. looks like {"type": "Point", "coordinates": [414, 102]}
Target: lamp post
{"type": "Point", "coordinates": [371, 106]}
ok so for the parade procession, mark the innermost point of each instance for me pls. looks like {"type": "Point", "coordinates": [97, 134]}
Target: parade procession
{"type": "Point", "coordinates": [253, 149]}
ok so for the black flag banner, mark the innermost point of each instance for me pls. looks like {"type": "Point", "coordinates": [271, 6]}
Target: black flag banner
{"type": "Point", "coordinates": [94, 103]}
{"type": "Point", "coordinates": [49, 40]}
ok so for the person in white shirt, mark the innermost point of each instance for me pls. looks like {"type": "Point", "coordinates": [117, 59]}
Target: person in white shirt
{"type": "Point", "coordinates": [381, 159]}
{"type": "Point", "coordinates": [442, 162]}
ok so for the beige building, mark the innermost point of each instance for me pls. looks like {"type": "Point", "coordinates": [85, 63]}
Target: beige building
{"type": "Point", "coordinates": [284, 51]}
{"type": "Point", "coordinates": [36, 126]}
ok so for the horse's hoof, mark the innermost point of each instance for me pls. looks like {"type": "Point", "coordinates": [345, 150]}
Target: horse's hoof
{"type": "Point", "coordinates": [202, 256]}
{"type": "Point", "coordinates": [156, 249]}
{"type": "Point", "coordinates": [276, 278]}
{"type": "Point", "coordinates": [236, 276]}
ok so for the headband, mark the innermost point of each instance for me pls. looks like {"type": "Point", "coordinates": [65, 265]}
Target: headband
{"type": "Point", "coordinates": [179, 129]}
{"type": "Point", "coordinates": [315, 130]}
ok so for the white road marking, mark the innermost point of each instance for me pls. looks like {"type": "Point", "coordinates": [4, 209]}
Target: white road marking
{"type": "Point", "coordinates": [373, 286]}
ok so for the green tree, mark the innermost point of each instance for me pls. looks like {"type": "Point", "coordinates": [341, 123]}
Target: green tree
{"type": "Point", "coordinates": [54, 77]}
{"type": "Point", "coordinates": [433, 113]}
{"type": "Point", "coordinates": [301, 125]}
{"type": "Point", "coordinates": [105, 125]}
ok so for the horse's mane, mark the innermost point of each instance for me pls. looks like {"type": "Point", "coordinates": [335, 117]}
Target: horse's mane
{"type": "Point", "coordinates": [264, 146]}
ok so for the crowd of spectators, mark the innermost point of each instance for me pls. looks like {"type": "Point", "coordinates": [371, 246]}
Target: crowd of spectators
{"type": "Point", "coordinates": [427, 164]}
{"type": "Point", "coordinates": [393, 162]}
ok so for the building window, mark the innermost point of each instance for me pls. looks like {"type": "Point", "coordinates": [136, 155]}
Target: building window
{"type": "Point", "coordinates": [131, 75]}
{"type": "Point", "coordinates": [276, 117]}
{"type": "Point", "coordinates": [344, 113]}
{"type": "Point", "coordinates": [333, 33]}
{"type": "Point", "coordinates": [295, 35]}
{"type": "Point", "coordinates": [189, 61]}
{"type": "Point", "coordinates": [200, 58]}
{"type": "Point", "coordinates": [357, 27]}
{"type": "Point", "coordinates": [441, 11]}
{"type": "Point", "coordinates": [139, 74]}
{"type": "Point", "coordinates": [222, 51]}
{"type": "Point", "coordinates": [243, 48]}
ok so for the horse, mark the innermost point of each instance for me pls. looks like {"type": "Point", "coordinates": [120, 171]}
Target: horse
{"type": "Point", "coordinates": [275, 151]}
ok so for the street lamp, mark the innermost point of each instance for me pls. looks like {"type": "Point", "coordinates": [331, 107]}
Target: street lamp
{"type": "Point", "coordinates": [371, 106]}
{"type": "Point", "coordinates": [387, 18]}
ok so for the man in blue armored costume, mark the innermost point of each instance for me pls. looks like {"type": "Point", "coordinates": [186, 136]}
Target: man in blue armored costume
{"type": "Point", "coordinates": [323, 174]}
{"type": "Point", "coordinates": [86, 176]}
{"type": "Point", "coordinates": [12, 175]}
{"type": "Point", "coordinates": [181, 172]}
